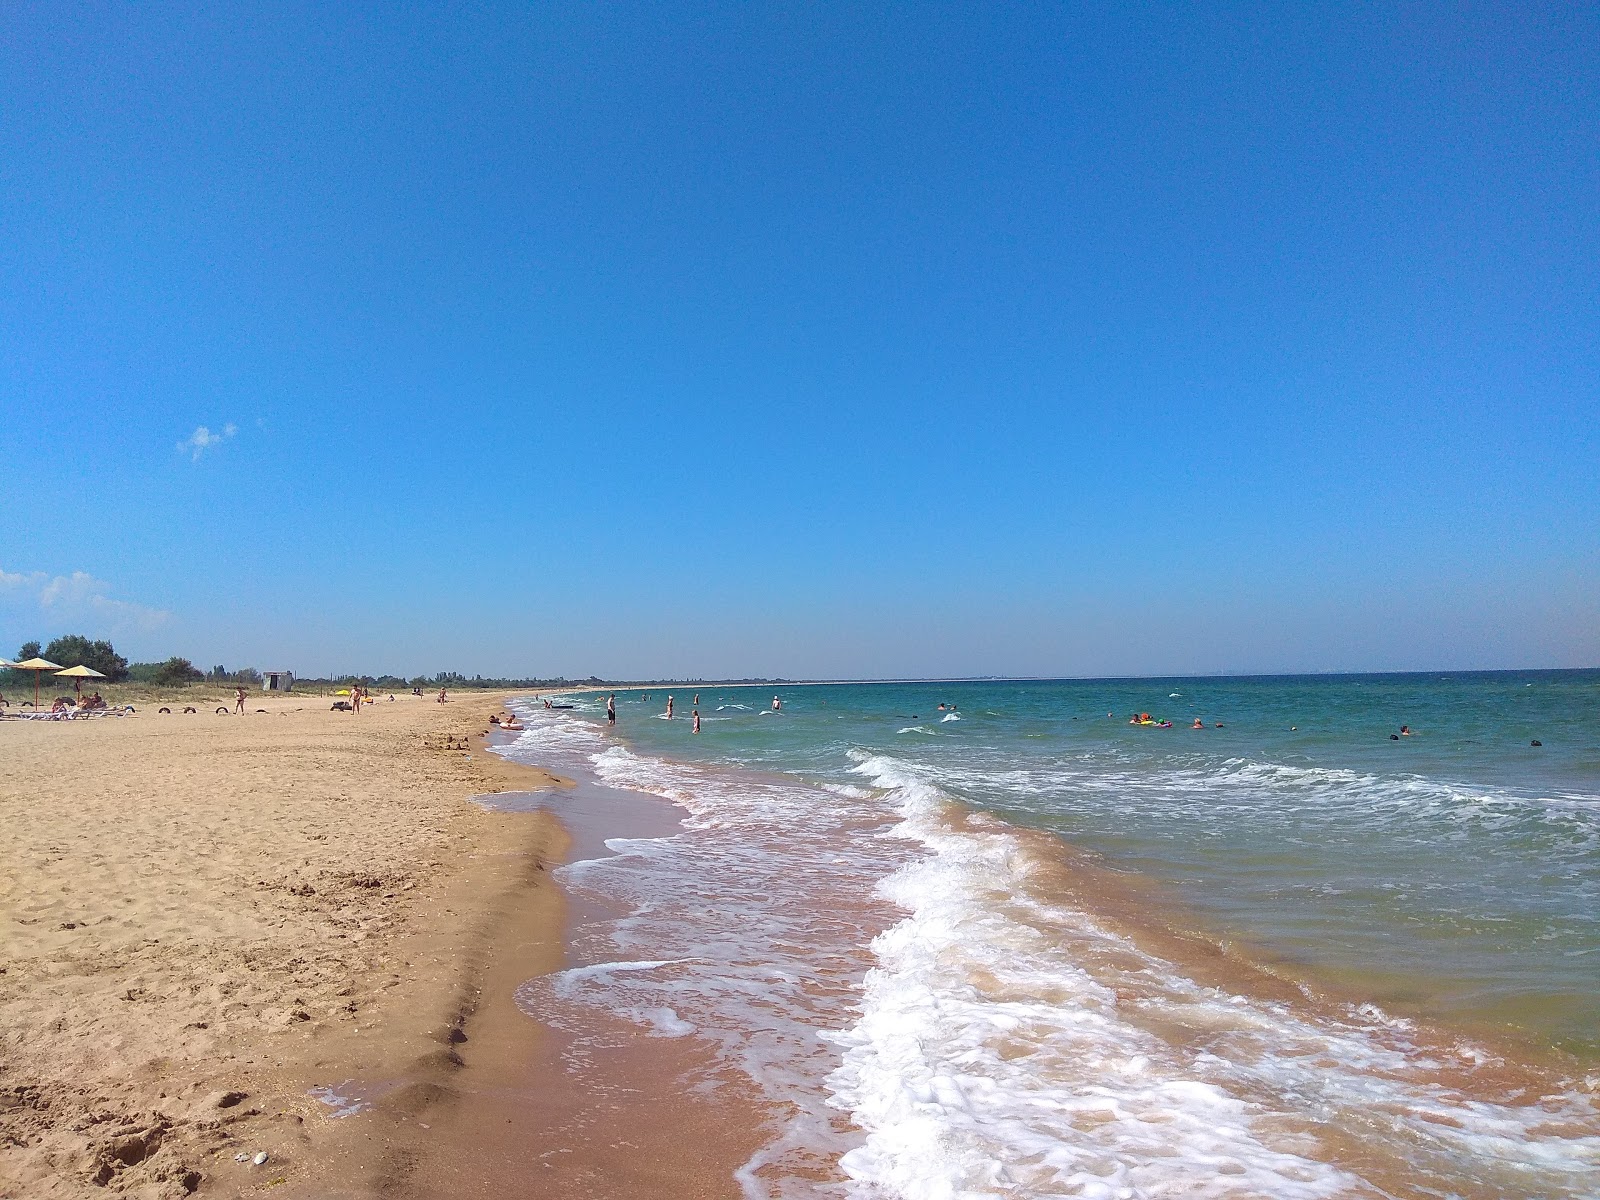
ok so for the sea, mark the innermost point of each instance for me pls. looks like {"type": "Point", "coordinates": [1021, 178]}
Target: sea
{"type": "Point", "coordinates": [1290, 937]}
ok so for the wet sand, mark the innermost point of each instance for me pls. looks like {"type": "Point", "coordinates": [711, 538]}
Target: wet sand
{"type": "Point", "coordinates": [517, 1121]}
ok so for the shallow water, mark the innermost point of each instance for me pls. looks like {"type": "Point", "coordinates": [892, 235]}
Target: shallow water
{"type": "Point", "coordinates": [1017, 946]}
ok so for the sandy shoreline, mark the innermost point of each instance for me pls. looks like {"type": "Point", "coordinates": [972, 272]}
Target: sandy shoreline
{"type": "Point", "coordinates": [204, 917]}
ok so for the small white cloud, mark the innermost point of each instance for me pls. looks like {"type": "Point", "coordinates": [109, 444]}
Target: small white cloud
{"type": "Point", "coordinates": [21, 581]}
{"type": "Point", "coordinates": [202, 439]}
{"type": "Point", "coordinates": [80, 595]}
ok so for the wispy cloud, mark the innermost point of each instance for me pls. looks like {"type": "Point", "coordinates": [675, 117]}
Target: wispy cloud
{"type": "Point", "coordinates": [79, 596]}
{"type": "Point", "coordinates": [202, 439]}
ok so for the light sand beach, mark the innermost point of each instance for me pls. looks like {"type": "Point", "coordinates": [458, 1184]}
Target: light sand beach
{"type": "Point", "coordinates": [204, 917]}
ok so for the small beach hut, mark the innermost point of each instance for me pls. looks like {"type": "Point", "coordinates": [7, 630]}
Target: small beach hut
{"type": "Point", "coordinates": [277, 681]}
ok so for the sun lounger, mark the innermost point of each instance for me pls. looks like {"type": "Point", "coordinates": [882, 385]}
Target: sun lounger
{"type": "Point", "coordinates": [68, 714]}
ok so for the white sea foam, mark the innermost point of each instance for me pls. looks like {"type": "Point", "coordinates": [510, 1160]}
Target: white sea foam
{"type": "Point", "coordinates": [966, 1093]}
{"type": "Point", "coordinates": [342, 1100]}
{"type": "Point", "coordinates": [733, 936]}
{"type": "Point", "coordinates": [1042, 1079]}
{"type": "Point", "coordinates": [1006, 1046]}
{"type": "Point", "coordinates": [846, 789]}
{"type": "Point", "coordinates": [1001, 1044]}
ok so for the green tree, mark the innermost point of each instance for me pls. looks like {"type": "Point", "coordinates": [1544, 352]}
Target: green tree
{"type": "Point", "coordinates": [29, 650]}
{"type": "Point", "coordinates": [74, 649]}
{"type": "Point", "coordinates": [177, 672]}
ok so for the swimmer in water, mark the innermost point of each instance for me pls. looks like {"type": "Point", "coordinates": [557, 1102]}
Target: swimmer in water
{"type": "Point", "coordinates": [1405, 731]}
{"type": "Point", "coordinates": [1198, 724]}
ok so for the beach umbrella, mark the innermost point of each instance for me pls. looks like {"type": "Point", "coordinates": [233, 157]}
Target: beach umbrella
{"type": "Point", "coordinates": [79, 673]}
{"type": "Point", "coordinates": [36, 665]}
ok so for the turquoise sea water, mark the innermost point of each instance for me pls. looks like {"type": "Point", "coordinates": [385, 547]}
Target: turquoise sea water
{"type": "Point", "coordinates": [879, 910]}
{"type": "Point", "coordinates": [1461, 862]}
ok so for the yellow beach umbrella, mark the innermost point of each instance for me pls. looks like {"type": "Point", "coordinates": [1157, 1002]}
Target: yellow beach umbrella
{"type": "Point", "coordinates": [36, 665]}
{"type": "Point", "coordinates": [79, 673]}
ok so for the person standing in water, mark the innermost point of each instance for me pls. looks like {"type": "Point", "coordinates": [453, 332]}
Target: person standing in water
{"type": "Point", "coordinates": [611, 709]}
{"type": "Point", "coordinates": [697, 720]}
{"type": "Point", "coordinates": [777, 705]}
{"type": "Point", "coordinates": [669, 708]}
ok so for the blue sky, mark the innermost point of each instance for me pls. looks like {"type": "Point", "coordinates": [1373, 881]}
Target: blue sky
{"type": "Point", "coordinates": [736, 340]}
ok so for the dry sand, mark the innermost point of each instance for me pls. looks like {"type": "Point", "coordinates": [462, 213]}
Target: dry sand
{"type": "Point", "coordinates": [202, 917]}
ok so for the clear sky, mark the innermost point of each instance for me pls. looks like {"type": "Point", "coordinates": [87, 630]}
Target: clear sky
{"type": "Point", "coordinates": [812, 340]}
